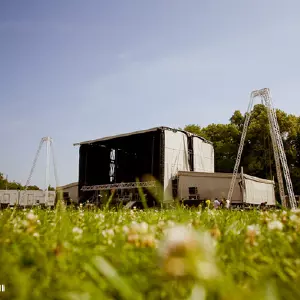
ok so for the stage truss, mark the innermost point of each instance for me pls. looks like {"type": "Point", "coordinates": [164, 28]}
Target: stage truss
{"type": "Point", "coordinates": [119, 186]}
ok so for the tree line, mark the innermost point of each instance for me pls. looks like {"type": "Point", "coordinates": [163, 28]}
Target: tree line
{"type": "Point", "coordinates": [257, 158]}
{"type": "Point", "coordinates": [12, 185]}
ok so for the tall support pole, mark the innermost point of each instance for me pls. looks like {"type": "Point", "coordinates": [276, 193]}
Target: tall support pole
{"type": "Point", "coordinates": [279, 154]}
{"type": "Point", "coordinates": [49, 147]}
{"type": "Point", "coordinates": [32, 170]}
{"type": "Point", "coordinates": [54, 164]}
{"type": "Point", "coordinates": [34, 164]}
{"type": "Point", "coordinates": [276, 152]}
{"type": "Point", "coordinates": [47, 140]}
{"type": "Point", "coordinates": [280, 146]}
{"type": "Point", "coordinates": [241, 147]}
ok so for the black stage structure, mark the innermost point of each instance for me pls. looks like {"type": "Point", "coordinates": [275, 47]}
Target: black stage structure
{"type": "Point", "coordinates": [115, 163]}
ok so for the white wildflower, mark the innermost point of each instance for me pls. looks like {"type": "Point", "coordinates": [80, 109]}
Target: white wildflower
{"type": "Point", "coordinates": [294, 218]}
{"type": "Point", "coordinates": [108, 232]}
{"type": "Point", "coordinates": [184, 251]}
{"type": "Point", "coordinates": [198, 293]}
{"type": "Point", "coordinates": [125, 229]}
{"type": "Point", "coordinates": [134, 227]}
{"type": "Point", "coordinates": [253, 229]}
{"type": "Point", "coordinates": [274, 216]}
{"type": "Point", "coordinates": [77, 230]}
{"type": "Point", "coordinates": [25, 223]}
{"type": "Point", "coordinates": [275, 225]}
{"type": "Point", "coordinates": [207, 270]}
{"type": "Point", "coordinates": [178, 236]}
{"type": "Point", "coordinates": [143, 228]}
{"type": "Point", "coordinates": [31, 216]}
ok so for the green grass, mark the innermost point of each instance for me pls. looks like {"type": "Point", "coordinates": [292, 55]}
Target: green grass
{"type": "Point", "coordinates": [93, 254]}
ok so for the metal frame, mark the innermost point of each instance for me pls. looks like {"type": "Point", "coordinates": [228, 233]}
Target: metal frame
{"type": "Point", "coordinates": [278, 148]}
{"type": "Point", "coordinates": [119, 186]}
{"type": "Point", "coordinates": [162, 128]}
{"type": "Point", "coordinates": [49, 146]}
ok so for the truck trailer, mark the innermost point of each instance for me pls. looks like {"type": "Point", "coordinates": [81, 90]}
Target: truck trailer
{"type": "Point", "coordinates": [196, 187]}
{"type": "Point", "coordinates": [27, 198]}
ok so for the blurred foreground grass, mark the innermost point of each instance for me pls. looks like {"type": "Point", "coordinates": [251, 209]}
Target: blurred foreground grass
{"type": "Point", "coordinates": [150, 254]}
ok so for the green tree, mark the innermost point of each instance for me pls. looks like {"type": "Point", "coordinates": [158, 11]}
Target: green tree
{"type": "Point", "coordinates": [12, 185]}
{"type": "Point", "coordinates": [51, 188]}
{"type": "Point", "coordinates": [224, 138]}
{"type": "Point", "coordinates": [237, 119]}
{"type": "Point", "coordinates": [33, 188]}
{"type": "Point", "coordinates": [193, 128]}
{"type": "Point", "coordinates": [3, 182]}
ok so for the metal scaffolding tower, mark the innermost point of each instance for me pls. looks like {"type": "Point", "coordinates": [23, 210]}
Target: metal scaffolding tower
{"type": "Point", "coordinates": [278, 148]}
{"type": "Point", "coordinates": [49, 146]}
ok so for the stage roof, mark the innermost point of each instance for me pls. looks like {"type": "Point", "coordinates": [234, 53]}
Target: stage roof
{"type": "Point", "coordinates": [138, 132]}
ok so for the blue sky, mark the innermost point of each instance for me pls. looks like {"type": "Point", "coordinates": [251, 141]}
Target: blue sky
{"type": "Point", "coordinates": [78, 70]}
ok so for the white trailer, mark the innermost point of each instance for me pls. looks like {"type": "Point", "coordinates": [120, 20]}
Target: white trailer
{"type": "Point", "coordinates": [34, 198]}
{"type": "Point", "coordinates": [247, 190]}
{"type": "Point", "coordinates": [27, 198]}
{"type": "Point", "coordinates": [258, 190]}
{"type": "Point", "coordinates": [9, 197]}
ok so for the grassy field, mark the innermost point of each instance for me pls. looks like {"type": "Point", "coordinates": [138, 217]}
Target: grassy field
{"type": "Point", "coordinates": [150, 254]}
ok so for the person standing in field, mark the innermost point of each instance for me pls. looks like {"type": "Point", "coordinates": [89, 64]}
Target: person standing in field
{"type": "Point", "coordinates": [223, 203]}
{"type": "Point", "coordinates": [207, 202]}
{"type": "Point", "coordinates": [216, 203]}
{"type": "Point", "coordinates": [227, 204]}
